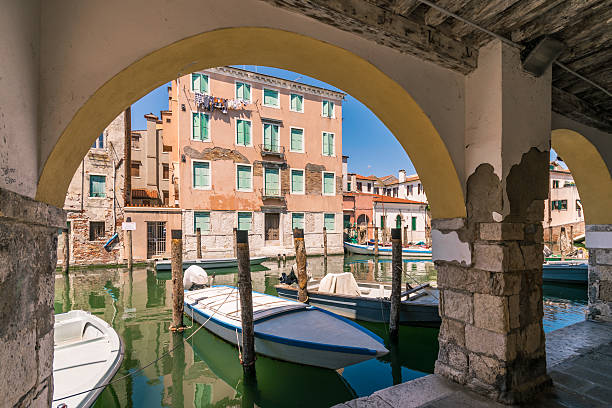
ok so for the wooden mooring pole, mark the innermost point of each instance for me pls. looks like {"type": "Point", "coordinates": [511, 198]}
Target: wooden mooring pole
{"type": "Point", "coordinates": [396, 282]}
{"type": "Point", "coordinates": [325, 242]}
{"type": "Point", "coordinates": [177, 281]}
{"type": "Point", "coordinates": [198, 243]}
{"type": "Point", "coordinates": [128, 247]}
{"type": "Point", "coordinates": [66, 250]}
{"type": "Point", "coordinates": [246, 302]}
{"type": "Point", "coordinates": [375, 241]}
{"type": "Point", "coordinates": [235, 248]}
{"type": "Point", "coordinates": [300, 260]}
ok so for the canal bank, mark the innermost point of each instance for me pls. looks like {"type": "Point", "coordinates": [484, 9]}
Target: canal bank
{"type": "Point", "coordinates": [138, 306]}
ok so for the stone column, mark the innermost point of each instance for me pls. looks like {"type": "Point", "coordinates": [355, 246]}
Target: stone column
{"type": "Point", "coordinates": [28, 245]}
{"type": "Point", "coordinates": [490, 263]}
{"type": "Point", "coordinates": [599, 244]}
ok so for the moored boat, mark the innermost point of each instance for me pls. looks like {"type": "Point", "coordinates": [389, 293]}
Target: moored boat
{"type": "Point", "coordinates": [166, 265]}
{"type": "Point", "coordinates": [566, 271]}
{"type": "Point", "coordinates": [87, 354]}
{"type": "Point", "coordinates": [407, 252]}
{"type": "Point", "coordinates": [285, 329]}
{"type": "Point", "coordinates": [369, 301]}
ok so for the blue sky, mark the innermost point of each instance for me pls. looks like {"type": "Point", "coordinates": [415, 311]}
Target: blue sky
{"type": "Point", "coordinates": [371, 147]}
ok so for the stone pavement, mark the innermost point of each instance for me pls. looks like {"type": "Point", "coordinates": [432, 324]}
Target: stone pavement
{"type": "Point", "coordinates": [579, 359]}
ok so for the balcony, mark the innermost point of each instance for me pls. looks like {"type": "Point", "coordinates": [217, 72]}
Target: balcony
{"type": "Point", "coordinates": [272, 150]}
{"type": "Point", "coordinates": [268, 193]}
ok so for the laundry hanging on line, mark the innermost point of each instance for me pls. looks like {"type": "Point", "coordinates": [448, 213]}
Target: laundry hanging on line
{"type": "Point", "coordinates": [210, 103]}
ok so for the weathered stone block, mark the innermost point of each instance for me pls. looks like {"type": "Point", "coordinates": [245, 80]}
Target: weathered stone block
{"type": "Point", "coordinates": [458, 306]}
{"type": "Point", "coordinates": [533, 256]}
{"type": "Point", "coordinates": [453, 355]}
{"type": "Point", "coordinates": [515, 261]}
{"type": "Point", "coordinates": [444, 370]}
{"type": "Point", "coordinates": [487, 369]}
{"type": "Point", "coordinates": [19, 366]}
{"type": "Point", "coordinates": [500, 231]}
{"type": "Point", "coordinates": [448, 223]}
{"type": "Point", "coordinates": [514, 311]}
{"type": "Point", "coordinates": [45, 356]}
{"type": "Point", "coordinates": [603, 256]}
{"type": "Point", "coordinates": [531, 339]}
{"type": "Point", "coordinates": [491, 313]}
{"type": "Point", "coordinates": [605, 291]}
{"type": "Point", "coordinates": [452, 331]}
{"type": "Point", "coordinates": [531, 307]}
{"type": "Point", "coordinates": [502, 346]}
{"type": "Point", "coordinates": [504, 283]}
{"type": "Point", "coordinates": [490, 257]}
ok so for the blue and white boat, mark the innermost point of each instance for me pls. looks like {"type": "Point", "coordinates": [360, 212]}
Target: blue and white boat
{"type": "Point", "coordinates": [407, 252]}
{"type": "Point", "coordinates": [285, 329]}
{"type": "Point", "coordinates": [566, 272]}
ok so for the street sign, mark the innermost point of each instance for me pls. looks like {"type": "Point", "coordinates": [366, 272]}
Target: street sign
{"type": "Point", "coordinates": [128, 226]}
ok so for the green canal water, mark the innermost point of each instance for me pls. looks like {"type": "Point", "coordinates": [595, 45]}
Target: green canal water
{"type": "Point", "coordinates": [206, 372]}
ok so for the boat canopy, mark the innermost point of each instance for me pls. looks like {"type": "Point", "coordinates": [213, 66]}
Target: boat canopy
{"type": "Point", "coordinates": [340, 283]}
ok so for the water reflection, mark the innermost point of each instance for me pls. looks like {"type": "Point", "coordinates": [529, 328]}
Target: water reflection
{"type": "Point", "coordinates": [206, 372]}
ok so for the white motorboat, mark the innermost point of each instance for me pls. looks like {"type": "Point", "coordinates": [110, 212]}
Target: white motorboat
{"type": "Point", "coordinates": [206, 263]}
{"type": "Point", "coordinates": [88, 353]}
{"type": "Point", "coordinates": [285, 329]}
{"type": "Point", "coordinates": [407, 252]}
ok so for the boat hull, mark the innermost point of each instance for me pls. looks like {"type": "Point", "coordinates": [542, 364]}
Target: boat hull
{"type": "Point", "coordinates": [565, 272]}
{"type": "Point", "coordinates": [166, 265]}
{"type": "Point", "coordinates": [416, 253]}
{"type": "Point", "coordinates": [412, 313]}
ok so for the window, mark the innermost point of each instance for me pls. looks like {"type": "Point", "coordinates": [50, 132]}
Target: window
{"type": "Point", "coordinates": [166, 149]}
{"type": "Point", "coordinates": [135, 169]}
{"type": "Point", "coordinates": [328, 144]}
{"type": "Point", "coordinates": [200, 129]}
{"type": "Point", "coordinates": [244, 178]}
{"type": "Point", "coordinates": [243, 91]}
{"type": "Point", "coordinates": [414, 223]}
{"type": "Point", "coordinates": [136, 141]}
{"type": "Point", "coordinates": [382, 221]}
{"type": "Point", "coordinates": [166, 195]}
{"type": "Point", "coordinates": [398, 221]}
{"type": "Point", "coordinates": [297, 181]}
{"type": "Point", "coordinates": [555, 184]}
{"type": "Point", "coordinates": [369, 187]}
{"type": "Point", "coordinates": [420, 188]}
{"type": "Point", "coordinates": [560, 205]}
{"type": "Point", "coordinates": [375, 190]}
{"type": "Point", "coordinates": [297, 221]}
{"type": "Point", "coordinates": [297, 140]}
{"type": "Point", "coordinates": [244, 221]}
{"type": "Point", "coordinates": [99, 142]}
{"type": "Point", "coordinates": [199, 83]}
{"type": "Point", "coordinates": [272, 182]}
{"type": "Point", "coordinates": [348, 186]}
{"type": "Point", "coordinates": [96, 230]}
{"type": "Point", "coordinates": [328, 109]}
{"type": "Point", "coordinates": [329, 222]}
{"type": "Point", "coordinates": [270, 98]}
{"type": "Point", "coordinates": [271, 142]}
{"type": "Point", "coordinates": [165, 171]}
{"type": "Point", "coordinates": [97, 186]}
{"type": "Point", "coordinates": [359, 186]}
{"type": "Point", "coordinates": [395, 191]}
{"type": "Point", "coordinates": [201, 174]}
{"type": "Point", "coordinates": [297, 103]}
{"type": "Point", "coordinates": [329, 187]}
{"type": "Point", "coordinates": [243, 132]}
{"type": "Point", "coordinates": [201, 220]}
{"type": "Point", "coordinates": [410, 189]}
{"type": "Point", "coordinates": [579, 208]}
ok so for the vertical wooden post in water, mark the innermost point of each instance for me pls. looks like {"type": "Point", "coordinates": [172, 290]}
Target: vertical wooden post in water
{"type": "Point", "coordinates": [284, 259]}
{"type": "Point", "coordinates": [396, 282]}
{"type": "Point", "coordinates": [246, 302]}
{"type": "Point", "coordinates": [375, 241]}
{"type": "Point", "coordinates": [198, 243]}
{"type": "Point", "coordinates": [300, 260]}
{"type": "Point", "coordinates": [177, 281]}
{"type": "Point", "coordinates": [66, 251]}
{"type": "Point", "coordinates": [325, 242]}
{"type": "Point", "coordinates": [128, 246]}
{"type": "Point", "coordinates": [235, 248]}
{"type": "Point", "coordinates": [406, 235]}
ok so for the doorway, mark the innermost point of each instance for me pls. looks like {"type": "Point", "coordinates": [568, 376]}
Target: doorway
{"type": "Point", "coordinates": [272, 222]}
{"type": "Point", "coordinates": [156, 239]}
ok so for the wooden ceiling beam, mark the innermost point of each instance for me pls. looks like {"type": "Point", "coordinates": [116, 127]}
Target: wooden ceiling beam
{"type": "Point", "coordinates": [481, 12]}
{"type": "Point", "coordinates": [575, 108]}
{"type": "Point", "coordinates": [434, 17]}
{"type": "Point", "coordinates": [404, 7]}
{"type": "Point", "coordinates": [386, 28]}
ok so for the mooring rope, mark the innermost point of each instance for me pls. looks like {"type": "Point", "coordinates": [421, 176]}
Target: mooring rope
{"type": "Point", "coordinates": [154, 361]}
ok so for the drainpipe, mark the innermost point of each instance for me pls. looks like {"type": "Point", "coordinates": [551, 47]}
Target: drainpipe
{"type": "Point", "coordinates": [82, 182]}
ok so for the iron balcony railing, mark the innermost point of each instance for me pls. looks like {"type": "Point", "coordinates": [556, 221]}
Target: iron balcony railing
{"type": "Point", "coordinates": [268, 193]}
{"type": "Point", "coordinates": [272, 150]}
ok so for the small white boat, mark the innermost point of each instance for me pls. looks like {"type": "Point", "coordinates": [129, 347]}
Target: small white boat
{"type": "Point", "coordinates": [285, 329]}
{"type": "Point", "coordinates": [166, 264]}
{"type": "Point", "coordinates": [88, 353]}
{"type": "Point", "coordinates": [407, 252]}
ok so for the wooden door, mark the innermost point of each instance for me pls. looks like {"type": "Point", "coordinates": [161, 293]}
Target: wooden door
{"type": "Point", "coordinates": [272, 226]}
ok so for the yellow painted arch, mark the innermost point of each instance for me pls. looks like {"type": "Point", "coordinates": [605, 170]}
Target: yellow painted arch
{"type": "Point", "coordinates": [590, 173]}
{"type": "Point", "coordinates": [270, 47]}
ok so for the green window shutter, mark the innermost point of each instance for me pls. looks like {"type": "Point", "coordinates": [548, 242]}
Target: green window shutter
{"type": "Point", "coordinates": [296, 102]}
{"type": "Point", "coordinates": [324, 108]}
{"type": "Point", "coordinates": [297, 221]}
{"type": "Point", "coordinates": [247, 132]}
{"type": "Point", "coordinates": [328, 183]}
{"type": "Point", "coordinates": [330, 109]}
{"type": "Point", "coordinates": [382, 221]}
{"type": "Point", "coordinates": [330, 222]}
{"type": "Point", "coordinates": [297, 140]}
{"type": "Point", "coordinates": [242, 132]}
{"type": "Point", "coordinates": [270, 97]}
{"type": "Point", "coordinates": [275, 141]}
{"type": "Point", "coordinates": [244, 177]}
{"type": "Point", "coordinates": [272, 182]}
{"type": "Point", "coordinates": [271, 137]}
{"type": "Point", "coordinates": [204, 84]}
{"type": "Point", "coordinates": [195, 82]}
{"type": "Point", "coordinates": [325, 144]}
{"type": "Point", "coordinates": [205, 131]}
{"type": "Point", "coordinates": [197, 130]}
{"type": "Point", "coordinates": [201, 174]}
{"type": "Point", "coordinates": [97, 186]}
{"type": "Point", "coordinates": [398, 221]}
{"type": "Point", "coordinates": [297, 181]}
{"type": "Point", "coordinates": [414, 223]}
{"type": "Point", "coordinates": [330, 144]}
{"type": "Point", "coordinates": [201, 220]}
{"type": "Point", "coordinates": [244, 221]}
{"type": "Point", "coordinates": [300, 103]}
{"type": "Point", "coordinates": [246, 93]}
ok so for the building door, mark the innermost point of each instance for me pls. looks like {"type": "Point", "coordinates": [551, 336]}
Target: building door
{"type": "Point", "coordinates": [272, 221]}
{"type": "Point", "coordinates": [156, 239]}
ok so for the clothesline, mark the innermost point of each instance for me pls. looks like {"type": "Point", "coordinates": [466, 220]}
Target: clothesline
{"type": "Point", "coordinates": [210, 103]}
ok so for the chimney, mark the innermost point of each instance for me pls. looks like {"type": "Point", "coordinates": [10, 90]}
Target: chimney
{"type": "Point", "coordinates": [402, 176]}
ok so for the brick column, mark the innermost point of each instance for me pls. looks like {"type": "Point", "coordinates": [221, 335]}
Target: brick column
{"type": "Point", "coordinates": [28, 244]}
{"type": "Point", "coordinates": [599, 244]}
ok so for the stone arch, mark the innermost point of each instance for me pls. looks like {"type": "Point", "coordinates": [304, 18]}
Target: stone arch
{"type": "Point", "coordinates": [260, 46]}
{"type": "Point", "coordinates": [588, 168]}
{"type": "Point", "coordinates": [363, 219]}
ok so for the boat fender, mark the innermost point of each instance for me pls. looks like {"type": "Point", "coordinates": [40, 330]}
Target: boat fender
{"type": "Point", "coordinates": [194, 275]}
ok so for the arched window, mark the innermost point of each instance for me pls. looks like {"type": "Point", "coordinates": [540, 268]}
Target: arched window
{"type": "Point", "coordinates": [363, 220]}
